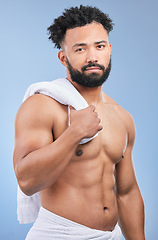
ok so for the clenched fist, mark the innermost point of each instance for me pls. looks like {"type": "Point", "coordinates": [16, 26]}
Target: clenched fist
{"type": "Point", "coordinates": [86, 121]}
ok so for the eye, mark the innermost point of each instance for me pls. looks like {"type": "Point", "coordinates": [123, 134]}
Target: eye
{"type": "Point", "coordinates": [101, 46]}
{"type": "Point", "coordinates": [79, 50]}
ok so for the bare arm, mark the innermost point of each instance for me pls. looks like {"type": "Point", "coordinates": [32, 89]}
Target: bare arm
{"type": "Point", "coordinates": [130, 202]}
{"type": "Point", "coordinates": [38, 160]}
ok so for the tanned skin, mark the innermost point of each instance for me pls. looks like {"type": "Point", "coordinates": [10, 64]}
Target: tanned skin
{"type": "Point", "coordinates": [93, 184]}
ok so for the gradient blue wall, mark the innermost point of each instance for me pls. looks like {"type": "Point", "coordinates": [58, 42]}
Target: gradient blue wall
{"type": "Point", "coordinates": [26, 56]}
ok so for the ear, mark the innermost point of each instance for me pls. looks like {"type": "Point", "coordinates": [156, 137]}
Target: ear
{"type": "Point", "coordinates": [62, 58]}
{"type": "Point", "coordinates": [110, 48]}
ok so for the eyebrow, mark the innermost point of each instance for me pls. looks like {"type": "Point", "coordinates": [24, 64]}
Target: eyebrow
{"type": "Point", "coordinates": [84, 44]}
{"type": "Point", "coordinates": [103, 41]}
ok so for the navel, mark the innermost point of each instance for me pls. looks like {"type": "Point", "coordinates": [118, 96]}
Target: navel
{"type": "Point", "coordinates": [79, 152]}
{"type": "Point", "coordinates": [123, 155]}
{"type": "Point", "coordinates": [105, 208]}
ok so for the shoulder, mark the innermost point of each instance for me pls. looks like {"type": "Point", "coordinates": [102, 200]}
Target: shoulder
{"type": "Point", "coordinates": [37, 108]}
{"type": "Point", "coordinates": [125, 117]}
{"type": "Point", "coordinates": [129, 124]}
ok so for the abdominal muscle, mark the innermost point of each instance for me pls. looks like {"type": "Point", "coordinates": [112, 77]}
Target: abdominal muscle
{"type": "Point", "coordinates": [85, 194]}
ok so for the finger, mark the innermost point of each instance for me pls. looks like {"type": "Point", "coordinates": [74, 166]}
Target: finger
{"type": "Point", "coordinates": [92, 107]}
{"type": "Point", "coordinates": [100, 128]}
{"type": "Point", "coordinates": [99, 120]}
{"type": "Point", "coordinates": [96, 114]}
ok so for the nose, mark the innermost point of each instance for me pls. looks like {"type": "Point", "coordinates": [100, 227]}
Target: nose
{"type": "Point", "coordinates": [92, 56]}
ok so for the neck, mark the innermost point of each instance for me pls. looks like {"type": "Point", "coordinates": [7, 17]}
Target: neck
{"type": "Point", "coordinates": [91, 95]}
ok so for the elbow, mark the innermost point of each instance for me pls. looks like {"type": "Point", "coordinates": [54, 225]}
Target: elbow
{"type": "Point", "coordinates": [131, 196]}
{"type": "Point", "coordinates": [26, 184]}
{"type": "Point", "coordinates": [26, 187]}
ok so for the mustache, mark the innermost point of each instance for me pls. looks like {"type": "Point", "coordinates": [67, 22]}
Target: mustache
{"type": "Point", "coordinates": [92, 65]}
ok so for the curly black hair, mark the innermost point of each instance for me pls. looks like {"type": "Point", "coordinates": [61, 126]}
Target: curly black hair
{"type": "Point", "coordinates": [77, 17]}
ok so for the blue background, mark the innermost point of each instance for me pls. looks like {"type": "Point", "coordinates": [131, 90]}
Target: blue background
{"type": "Point", "coordinates": [26, 56]}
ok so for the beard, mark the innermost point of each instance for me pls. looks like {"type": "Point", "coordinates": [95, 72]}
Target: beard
{"type": "Point", "coordinates": [89, 80]}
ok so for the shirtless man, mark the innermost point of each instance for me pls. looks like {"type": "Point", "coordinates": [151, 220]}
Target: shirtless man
{"type": "Point", "coordinates": [93, 184]}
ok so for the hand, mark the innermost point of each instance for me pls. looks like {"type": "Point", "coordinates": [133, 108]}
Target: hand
{"type": "Point", "coordinates": [86, 121]}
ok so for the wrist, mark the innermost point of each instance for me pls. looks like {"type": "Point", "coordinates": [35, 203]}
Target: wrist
{"type": "Point", "coordinates": [76, 133]}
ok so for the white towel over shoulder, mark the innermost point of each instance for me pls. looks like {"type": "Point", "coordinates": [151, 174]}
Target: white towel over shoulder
{"type": "Point", "coordinates": [64, 92]}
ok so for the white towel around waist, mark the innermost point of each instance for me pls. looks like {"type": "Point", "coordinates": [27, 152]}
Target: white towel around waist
{"type": "Point", "coordinates": [64, 92]}
{"type": "Point", "coordinates": [49, 226]}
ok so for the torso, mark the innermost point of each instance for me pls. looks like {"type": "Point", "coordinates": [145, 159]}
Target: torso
{"type": "Point", "coordinates": [85, 192]}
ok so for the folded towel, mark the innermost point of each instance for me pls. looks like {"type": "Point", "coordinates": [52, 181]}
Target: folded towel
{"type": "Point", "coordinates": [64, 92]}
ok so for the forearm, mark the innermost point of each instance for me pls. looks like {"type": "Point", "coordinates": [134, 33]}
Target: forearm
{"type": "Point", "coordinates": [41, 168]}
{"type": "Point", "coordinates": [131, 215]}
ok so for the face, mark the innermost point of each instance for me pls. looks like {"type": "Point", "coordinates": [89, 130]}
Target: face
{"type": "Point", "coordinates": [93, 79]}
{"type": "Point", "coordinates": [86, 54]}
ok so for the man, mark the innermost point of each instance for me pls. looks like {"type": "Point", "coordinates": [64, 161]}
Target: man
{"type": "Point", "coordinates": [82, 187]}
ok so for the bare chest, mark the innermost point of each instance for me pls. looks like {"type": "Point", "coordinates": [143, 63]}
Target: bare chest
{"type": "Point", "coordinates": [109, 144]}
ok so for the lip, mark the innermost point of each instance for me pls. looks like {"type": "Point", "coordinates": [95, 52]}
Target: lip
{"type": "Point", "coordinates": [93, 69]}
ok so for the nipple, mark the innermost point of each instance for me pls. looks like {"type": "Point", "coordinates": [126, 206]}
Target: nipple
{"type": "Point", "coordinates": [79, 153]}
